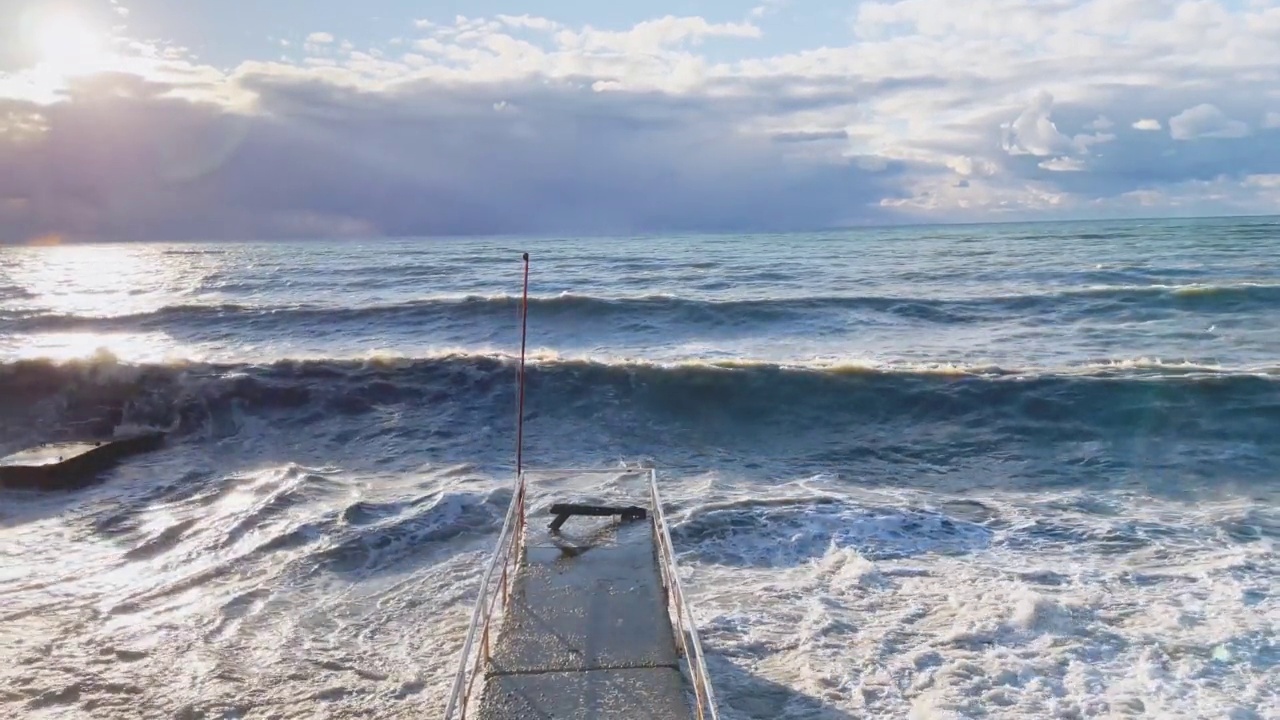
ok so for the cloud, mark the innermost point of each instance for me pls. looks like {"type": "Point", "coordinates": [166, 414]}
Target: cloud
{"type": "Point", "coordinates": [1216, 195]}
{"type": "Point", "coordinates": [435, 157]}
{"type": "Point", "coordinates": [654, 35]}
{"type": "Point", "coordinates": [527, 22]}
{"type": "Point", "coordinates": [766, 8]}
{"type": "Point", "coordinates": [1205, 121]}
{"type": "Point", "coordinates": [1268, 182]}
{"type": "Point", "coordinates": [1001, 109]}
{"type": "Point", "coordinates": [1063, 164]}
{"type": "Point", "coordinates": [1033, 132]}
{"type": "Point", "coordinates": [1101, 123]}
{"type": "Point", "coordinates": [967, 166]}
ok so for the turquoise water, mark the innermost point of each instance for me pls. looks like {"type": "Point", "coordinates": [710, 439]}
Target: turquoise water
{"type": "Point", "coordinates": [1015, 470]}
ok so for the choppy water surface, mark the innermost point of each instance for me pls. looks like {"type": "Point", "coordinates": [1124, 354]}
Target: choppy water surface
{"type": "Point", "coordinates": [1002, 471]}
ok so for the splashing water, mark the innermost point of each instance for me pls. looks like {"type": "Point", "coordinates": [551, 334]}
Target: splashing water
{"type": "Point", "coordinates": [1008, 471]}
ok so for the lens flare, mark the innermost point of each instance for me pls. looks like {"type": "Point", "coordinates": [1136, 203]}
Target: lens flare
{"type": "Point", "coordinates": [67, 45]}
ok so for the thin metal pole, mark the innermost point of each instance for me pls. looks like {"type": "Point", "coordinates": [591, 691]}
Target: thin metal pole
{"type": "Point", "coordinates": [524, 334]}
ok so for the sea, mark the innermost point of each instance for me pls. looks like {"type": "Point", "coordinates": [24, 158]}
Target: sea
{"type": "Point", "coordinates": [970, 471]}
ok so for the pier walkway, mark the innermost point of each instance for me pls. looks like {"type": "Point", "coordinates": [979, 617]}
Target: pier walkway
{"type": "Point", "coordinates": [585, 628]}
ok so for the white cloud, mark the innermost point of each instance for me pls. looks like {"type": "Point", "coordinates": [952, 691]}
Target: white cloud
{"type": "Point", "coordinates": [1221, 194]}
{"type": "Point", "coordinates": [530, 23]}
{"type": "Point", "coordinates": [1001, 108]}
{"type": "Point", "coordinates": [654, 35]}
{"type": "Point", "coordinates": [979, 198]}
{"type": "Point", "coordinates": [967, 166]}
{"type": "Point", "coordinates": [1270, 181]}
{"type": "Point", "coordinates": [1064, 164]}
{"type": "Point", "coordinates": [1205, 121]}
{"type": "Point", "coordinates": [766, 8]}
{"type": "Point", "coordinates": [1034, 132]}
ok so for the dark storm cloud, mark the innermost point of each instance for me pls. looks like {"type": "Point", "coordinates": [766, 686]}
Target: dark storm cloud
{"type": "Point", "coordinates": [122, 160]}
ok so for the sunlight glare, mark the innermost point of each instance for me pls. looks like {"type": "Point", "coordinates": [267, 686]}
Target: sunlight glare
{"type": "Point", "coordinates": [67, 45]}
{"type": "Point", "coordinates": [100, 348]}
{"type": "Point", "coordinates": [71, 292]}
{"type": "Point", "coordinates": [93, 280]}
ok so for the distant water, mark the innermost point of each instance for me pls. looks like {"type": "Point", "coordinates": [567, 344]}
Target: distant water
{"type": "Point", "coordinates": [976, 471]}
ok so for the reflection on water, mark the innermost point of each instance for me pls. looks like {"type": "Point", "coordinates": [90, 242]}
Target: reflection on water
{"type": "Point", "coordinates": [146, 347]}
{"type": "Point", "coordinates": [97, 280]}
{"type": "Point", "coordinates": [71, 283]}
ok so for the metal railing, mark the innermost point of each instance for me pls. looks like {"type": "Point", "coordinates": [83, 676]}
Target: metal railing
{"type": "Point", "coordinates": [506, 556]}
{"type": "Point", "coordinates": [704, 696]}
{"type": "Point", "coordinates": [506, 559]}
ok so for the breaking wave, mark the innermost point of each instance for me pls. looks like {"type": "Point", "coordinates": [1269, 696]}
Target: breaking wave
{"type": "Point", "coordinates": [667, 309]}
{"type": "Point", "coordinates": [459, 393]}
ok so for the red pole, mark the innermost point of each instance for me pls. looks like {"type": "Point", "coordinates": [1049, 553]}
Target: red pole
{"type": "Point", "coordinates": [524, 333]}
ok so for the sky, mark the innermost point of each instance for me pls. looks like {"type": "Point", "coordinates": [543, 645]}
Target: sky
{"type": "Point", "coordinates": [243, 119]}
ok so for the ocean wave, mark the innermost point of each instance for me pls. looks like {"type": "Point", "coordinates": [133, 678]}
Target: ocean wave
{"type": "Point", "coordinates": [104, 365]}
{"type": "Point", "coordinates": [794, 531]}
{"type": "Point", "coordinates": [373, 535]}
{"type": "Point", "coordinates": [455, 394]}
{"type": "Point", "coordinates": [14, 292]}
{"type": "Point", "coordinates": [199, 251]}
{"type": "Point", "coordinates": [1088, 301]}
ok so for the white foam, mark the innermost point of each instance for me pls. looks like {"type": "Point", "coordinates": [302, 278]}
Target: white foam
{"type": "Point", "coordinates": [1007, 630]}
{"type": "Point", "coordinates": [815, 599]}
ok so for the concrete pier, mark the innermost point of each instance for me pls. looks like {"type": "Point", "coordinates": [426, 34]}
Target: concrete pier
{"type": "Point", "coordinates": [70, 465]}
{"type": "Point", "coordinates": [586, 634]}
